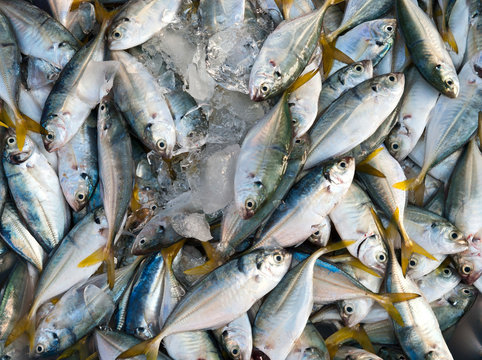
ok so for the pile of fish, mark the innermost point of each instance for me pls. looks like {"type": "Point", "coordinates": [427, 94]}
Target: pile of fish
{"type": "Point", "coordinates": [239, 179]}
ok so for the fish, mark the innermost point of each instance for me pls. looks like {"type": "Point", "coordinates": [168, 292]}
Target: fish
{"type": "Point", "coordinates": [138, 20]}
{"type": "Point", "coordinates": [259, 271]}
{"type": "Point", "coordinates": [285, 54]}
{"type": "Point", "coordinates": [36, 191]}
{"type": "Point", "coordinates": [452, 121]}
{"type": "Point", "coordinates": [310, 345]}
{"type": "Point", "coordinates": [77, 167]}
{"type": "Point", "coordinates": [236, 338]}
{"type": "Point", "coordinates": [392, 200]}
{"type": "Point", "coordinates": [418, 100]}
{"type": "Point", "coordinates": [262, 160]}
{"type": "Point", "coordinates": [427, 49]}
{"type": "Point", "coordinates": [340, 128]}
{"type": "Point", "coordinates": [343, 79]}
{"type": "Point", "coordinates": [60, 9]}
{"type": "Point", "coordinates": [306, 204]}
{"type": "Point", "coordinates": [18, 238]}
{"type": "Point", "coordinates": [439, 282]}
{"type": "Point", "coordinates": [353, 221]}
{"type": "Point", "coordinates": [349, 352]}
{"type": "Point", "coordinates": [116, 173]}
{"type": "Point", "coordinates": [139, 98]}
{"type": "Point", "coordinates": [38, 34]}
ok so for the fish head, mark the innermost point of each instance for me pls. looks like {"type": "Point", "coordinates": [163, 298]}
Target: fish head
{"type": "Point", "coordinates": [156, 232]}
{"type": "Point", "coordinates": [273, 263]}
{"type": "Point", "coordinates": [462, 296]}
{"type": "Point", "coordinates": [236, 344]}
{"type": "Point", "coordinates": [382, 35]}
{"type": "Point", "coordinates": [63, 52]}
{"type": "Point", "coordinates": [419, 265]}
{"type": "Point", "coordinates": [50, 340]}
{"type": "Point", "coordinates": [124, 33]}
{"type": "Point", "coordinates": [445, 79]}
{"type": "Point", "coordinates": [11, 151]}
{"type": "Point", "coordinates": [56, 133]}
{"type": "Point", "coordinates": [300, 147]}
{"type": "Point", "coordinates": [340, 174]}
{"type": "Point", "coordinates": [161, 138]}
{"type": "Point", "coordinates": [265, 82]}
{"type": "Point", "coordinates": [448, 238]}
{"type": "Point", "coordinates": [78, 189]}
{"type": "Point", "coordinates": [398, 142]}
{"type": "Point", "coordinates": [372, 253]}
{"type": "Point", "coordinates": [388, 86]}
{"type": "Point", "coordinates": [360, 70]}
{"type": "Point", "coordinates": [467, 268]}
{"type": "Point", "coordinates": [354, 311]}
{"type": "Point", "coordinates": [250, 197]}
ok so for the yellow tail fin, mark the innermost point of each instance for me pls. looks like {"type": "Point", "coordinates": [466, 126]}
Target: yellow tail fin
{"type": "Point", "coordinates": [370, 170]}
{"type": "Point", "coordinates": [449, 38]}
{"type": "Point", "coordinates": [353, 261]}
{"type": "Point", "coordinates": [387, 300]}
{"type": "Point", "coordinates": [79, 346]}
{"type": "Point", "coordinates": [150, 348]}
{"type": "Point", "coordinates": [331, 53]}
{"type": "Point", "coordinates": [303, 79]}
{"type": "Point", "coordinates": [104, 254]}
{"type": "Point", "coordinates": [170, 253]}
{"type": "Point", "coordinates": [103, 15]}
{"type": "Point", "coordinates": [356, 333]}
{"type": "Point", "coordinates": [215, 260]}
{"type": "Point", "coordinates": [371, 156]}
{"type": "Point", "coordinates": [24, 325]}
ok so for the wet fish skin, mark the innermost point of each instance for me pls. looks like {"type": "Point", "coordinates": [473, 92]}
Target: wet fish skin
{"type": "Point", "coordinates": [427, 49]}
{"type": "Point", "coordinates": [437, 283]}
{"type": "Point", "coordinates": [341, 127]}
{"type": "Point", "coordinates": [140, 99]}
{"type": "Point", "coordinates": [77, 167]}
{"type": "Point", "coordinates": [262, 160]}
{"type": "Point", "coordinates": [310, 344]}
{"type": "Point", "coordinates": [36, 190]}
{"type": "Point", "coordinates": [236, 338]}
{"type": "Point", "coordinates": [345, 78]}
{"type": "Point", "coordinates": [16, 235]}
{"type": "Point", "coordinates": [38, 34]}
{"type": "Point", "coordinates": [138, 20]}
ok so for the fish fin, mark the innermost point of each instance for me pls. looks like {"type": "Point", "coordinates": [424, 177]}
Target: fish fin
{"type": "Point", "coordinates": [135, 204]}
{"type": "Point", "coordinates": [371, 156]}
{"type": "Point", "coordinates": [378, 223]}
{"type": "Point", "coordinates": [357, 333]}
{"type": "Point", "coordinates": [98, 75]}
{"type": "Point", "coordinates": [104, 254]}
{"type": "Point", "coordinates": [406, 185]}
{"type": "Point", "coordinates": [24, 325]}
{"type": "Point", "coordinates": [303, 79]}
{"type": "Point", "coordinates": [387, 300]}
{"type": "Point", "coordinates": [103, 15]}
{"type": "Point", "coordinates": [331, 53]}
{"type": "Point", "coordinates": [215, 260]}
{"type": "Point", "coordinates": [286, 7]}
{"type": "Point", "coordinates": [449, 38]}
{"type": "Point", "coordinates": [170, 252]}
{"type": "Point", "coordinates": [370, 170]}
{"type": "Point", "coordinates": [150, 348]}
{"type": "Point", "coordinates": [94, 258]}
{"type": "Point", "coordinates": [338, 245]}
{"type": "Point", "coordinates": [353, 261]}
{"type": "Point", "coordinates": [93, 356]}
{"type": "Point", "coordinates": [79, 347]}
{"type": "Point", "coordinates": [55, 300]}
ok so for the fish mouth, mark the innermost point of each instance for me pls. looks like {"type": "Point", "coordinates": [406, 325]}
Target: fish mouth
{"type": "Point", "coordinates": [255, 94]}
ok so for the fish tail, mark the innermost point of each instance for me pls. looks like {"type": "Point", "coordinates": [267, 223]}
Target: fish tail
{"type": "Point", "coordinates": [25, 325]}
{"type": "Point", "coordinates": [303, 79]}
{"type": "Point", "coordinates": [103, 15]}
{"type": "Point", "coordinates": [150, 348]}
{"type": "Point", "coordinates": [170, 253]}
{"type": "Point", "coordinates": [387, 301]}
{"type": "Point", "coordinates": [353, 261]}
{"type": "Point", "coordinates": [357, 333]}
{"type": "Point", "coordinates": [448, 37]}
{"type": "Point", "coordinates": [331, 53]}
{"type": "Point", "coordinates": [22, 124]}
{"type": "Point", "coordinates": [370, 170]}
{"type": "Point", "coordinates": [215, 259]}
{"type": "Point", "coordinates": [104, 254]}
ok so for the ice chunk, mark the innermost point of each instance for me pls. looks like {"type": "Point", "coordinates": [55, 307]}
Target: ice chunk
{"type": "Point", "coordinates": [231, 53]}
{"type": "Point", "coordinates": [192, 226]}
{"type": "Point", "coordinates": [200, 83]}
{"type": "Point", "coordinates": [215, 187]}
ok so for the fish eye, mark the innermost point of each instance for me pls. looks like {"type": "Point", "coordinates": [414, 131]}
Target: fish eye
{"type": "Point", "coordinates": [11, 140]}
{"type": "Point", "coordinates": [80, 196]}
{"type": "Point", "coordinates": [381, 257]}
{"type": "Point", "coordinates": [235, 351]}
{"type": "Point", "coordinates": [401, 357]}
{"type": "Point", "coordinates": [454, 235]}
{"type": "Point", "coordinates": [342, 164]}
{"type": "Point", "coordinates": [348, 309]}
{"type": "Point", "coordinates": [375, 87]}
{"type": "Point", "coordinates": [389, 28]}
{"type": "Point", "coordinates": [161, 144]}
{"type": "Point", "coordinates": [447, 272]}
{"type": "Point", "coordinates": [449, 82]}
{"type": "Point", "coordinates": [102, 107]}
{"type": "Point", "coordinates": [297, 141]}
{"type": "Point", "coordinates": [250, 204]}
{"type": "Point", "coordinates": [39, 349]}
{"type": "Point", "coordinates": [50, 136]}
{"type": "Point", "coordinates": [358, 68]}
{"type": "Point", "coordinates": [278, 258]}
{"type": "Point", "coordinates": [160, 230]}
{"type": "Point", "coordinates": [466, 291]}
{"type": "Point", "coordinates": [142, 241]}
{"type": "Point", "coordinates": [140, 330]}
{"type": "Point", "coordinates": [438, 66]}
{"type": "Point", "coordinates": [391, 78]}
{"type": "Point", "coordinates": [117, 34]}
{"type": "Point", "coordinates": [97, 220]}
{"type": "Point", "coordinates": [190, 134]}
{"type": "Point", "coordinates": [466, 269]}
{"type": "Point", "coordinates": [153, 207]}
{"type": "Point", "coordinates": [264, 88]}
{"type": "Point", "coordinates": [62, 44]}
{"type": "Point", "coordinates": [413, 262]}
{"type": "Point", "coordinates": [395, 146]}
{"type": "Point", "coordinates": [316, 233]}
